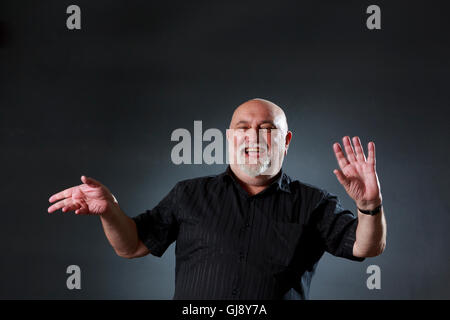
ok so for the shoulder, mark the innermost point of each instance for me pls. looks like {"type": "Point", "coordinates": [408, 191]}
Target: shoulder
{"type": "Point", "coordinates": [307, 191]}
{"type": "Point", "coordinates": [312, 197]}
{"type": "Point", "coordinates": [196, 183]}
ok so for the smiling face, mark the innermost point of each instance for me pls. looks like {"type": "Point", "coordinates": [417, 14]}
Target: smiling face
{"type": "Point", "coordinates": [258, 140]}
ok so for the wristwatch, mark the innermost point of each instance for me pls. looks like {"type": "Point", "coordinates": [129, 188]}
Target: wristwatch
{"type": "Point", "coordinates": [371, 212]}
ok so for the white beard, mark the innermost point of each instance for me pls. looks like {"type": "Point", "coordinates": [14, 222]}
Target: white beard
{"type": "Point", "coordinates": [254, 169]}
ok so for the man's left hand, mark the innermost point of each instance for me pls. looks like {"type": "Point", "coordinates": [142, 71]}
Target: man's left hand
{"type": "Point", "coordinates": [358, 175]}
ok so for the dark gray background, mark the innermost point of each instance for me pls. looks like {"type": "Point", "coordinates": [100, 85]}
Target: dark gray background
{"type": "Point", "coordinates": [104, 100]}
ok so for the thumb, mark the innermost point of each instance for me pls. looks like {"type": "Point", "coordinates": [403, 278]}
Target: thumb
{"type": "Point", "coordinates": [341, 177]}
{"type": "Point", "coordinates": [90, 181]}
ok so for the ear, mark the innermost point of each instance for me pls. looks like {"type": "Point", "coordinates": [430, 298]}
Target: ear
{"type": "Point", "coordinates": [287, 141]}
{"type": "Point", "coordinates": [229, 134]}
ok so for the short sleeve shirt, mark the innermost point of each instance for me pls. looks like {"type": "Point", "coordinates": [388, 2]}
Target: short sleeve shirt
{"type": "Point", "coordinates": [232, 245]}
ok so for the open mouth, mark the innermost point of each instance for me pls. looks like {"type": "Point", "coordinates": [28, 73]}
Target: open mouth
{"type": "Point", "coordinates": [254, 152]}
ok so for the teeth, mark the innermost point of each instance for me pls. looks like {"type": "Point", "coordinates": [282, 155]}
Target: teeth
{"type": "Point", "coordinates": [247, 150]}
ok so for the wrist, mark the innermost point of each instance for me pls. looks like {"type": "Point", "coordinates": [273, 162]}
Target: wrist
{"type": "Point", "coordinates": [112, 209]}
{"type": "Point", "coordinates": [371, 212]}
{"type": "Point", "coordinates": [369, 205]}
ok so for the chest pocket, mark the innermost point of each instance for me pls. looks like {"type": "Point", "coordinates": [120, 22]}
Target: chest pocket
{"type": "Point", "coordinates": [283, 239]}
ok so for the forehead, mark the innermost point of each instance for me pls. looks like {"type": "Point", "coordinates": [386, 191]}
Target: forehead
{"type": "Point", "coordinates": [255, 112]}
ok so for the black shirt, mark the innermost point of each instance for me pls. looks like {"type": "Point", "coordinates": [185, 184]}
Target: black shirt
{"type": "Point", "coordinates": [230, 245]}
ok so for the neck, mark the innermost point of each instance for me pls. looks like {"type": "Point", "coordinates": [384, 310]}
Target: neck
{"type": "Point", "coordinates": [252, 190]}
{"type": "Point", "coordinates": [254, 185]}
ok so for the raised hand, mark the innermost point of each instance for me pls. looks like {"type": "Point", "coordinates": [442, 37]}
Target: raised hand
{"type": "Point", "coordinates": [358, 175]}
{"type": "Point", "coordinates": [91, 198]}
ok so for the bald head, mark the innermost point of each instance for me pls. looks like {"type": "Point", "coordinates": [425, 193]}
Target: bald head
{"type": "Point", "coordinates": [259, 138]}
{"type": "Point", "coordinates": [259, 110]}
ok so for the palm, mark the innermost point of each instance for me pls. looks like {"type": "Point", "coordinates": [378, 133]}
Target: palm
{"type": "Point", "coordinates": [91, 197]}
{"type": "Point", "coordinates": [358, 175]}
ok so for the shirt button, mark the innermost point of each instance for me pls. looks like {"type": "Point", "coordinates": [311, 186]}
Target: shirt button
{"type": "Point", "coordinates": [241, 256]}
{"type": "Point", "coordinates": [235, 291]}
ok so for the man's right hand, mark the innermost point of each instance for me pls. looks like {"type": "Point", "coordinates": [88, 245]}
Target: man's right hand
{"type": "Point", "coordinates": [91, 198]}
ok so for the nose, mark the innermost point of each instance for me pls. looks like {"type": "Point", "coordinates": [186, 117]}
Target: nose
{"type": "Point", "coordinates": [251, 136]}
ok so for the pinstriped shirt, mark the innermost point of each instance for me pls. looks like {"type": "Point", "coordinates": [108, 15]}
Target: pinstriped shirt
{"type": "Point", "coordinates": [232, 245]}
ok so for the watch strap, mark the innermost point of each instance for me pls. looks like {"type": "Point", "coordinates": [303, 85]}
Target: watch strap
{"type": "Point", "coordinates": [371, 212]}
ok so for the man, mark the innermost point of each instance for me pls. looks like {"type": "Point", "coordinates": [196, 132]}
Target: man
{"type": "Point", "coordinates": [251, 232]}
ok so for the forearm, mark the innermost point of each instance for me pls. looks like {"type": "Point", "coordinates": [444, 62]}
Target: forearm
{"type": "Point", "coordinates": [370, 235]}
{"type": "Point", "coordinates": [120, 230]}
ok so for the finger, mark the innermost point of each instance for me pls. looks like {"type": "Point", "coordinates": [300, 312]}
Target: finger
{"type": "Point", "coordinates": [349, 149]}
{"type": "Point", "coordinates": [82, 210]}
{"type": "Point", "coordinates": [59, 205]}
{"type": "Point", "coordinates": [61, 195]}
{"type": "Point", "coordinates": [340, 157]}
{"type": "Point", "coordinates": [90, 181]}
{"type": "Point", "coordinates": [341, 177]}
{"type": "Point", "coordinates": [72, 206]}
{"type": "Point", "coordinates": [360, 156]}
{"type": "Point", "coordinates": [371, 155]}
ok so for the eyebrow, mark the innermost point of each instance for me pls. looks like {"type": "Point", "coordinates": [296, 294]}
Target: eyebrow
{"type": "Point", "coordinates": [264, 122]}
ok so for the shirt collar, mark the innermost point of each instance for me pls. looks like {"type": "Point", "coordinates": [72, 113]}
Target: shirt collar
{"type": "Point", "coordinates": [282, 182]}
